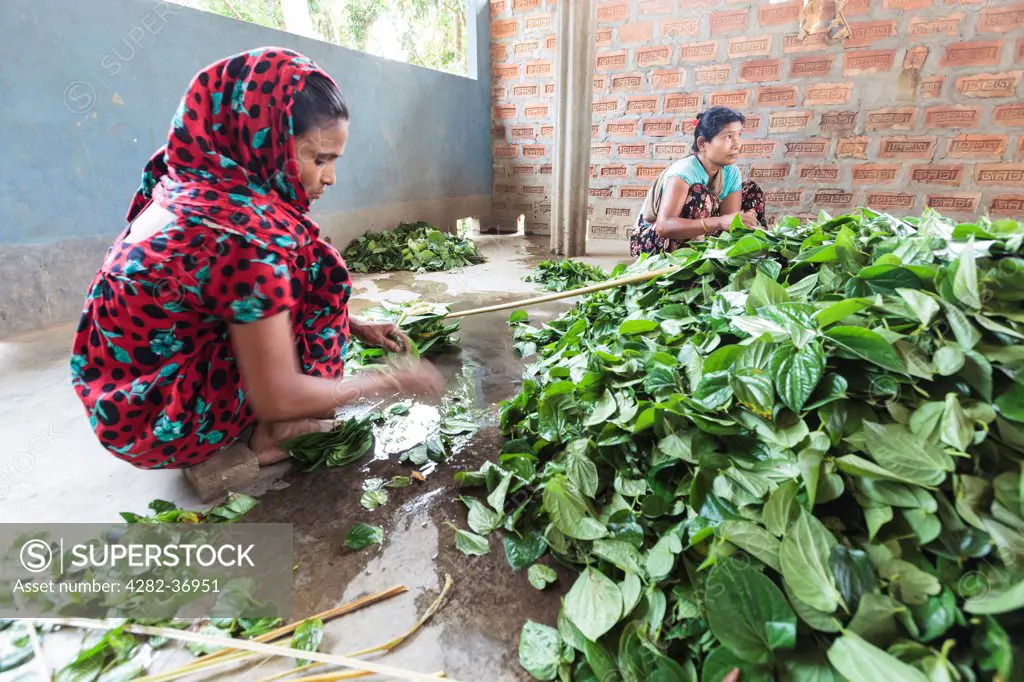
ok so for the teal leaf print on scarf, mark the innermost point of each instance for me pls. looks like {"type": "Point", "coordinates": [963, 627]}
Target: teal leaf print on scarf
{"type": "Point", "coordinates": [238, 98]}
{"type": "Point", "coordinates": [166, 430]}
{"type": "Point", "coordinates": [120, 354]}
{"type": "Point", "coordinates": [165, 344]}
{"type": "Point", "coordinates": [248, 309]}
{"type": "Point", "coordinates": [225, 162]}
{"type": "Point", "coordinates": [168, 371]}
{"type": "Point", "coordinates": [215, 99]}
{"type": "Point", "coordinates": [78, 364]}
{"type": "Point", "coordinates": [285, 241]}
{"type": "Point", "coordinates": [260, 138]}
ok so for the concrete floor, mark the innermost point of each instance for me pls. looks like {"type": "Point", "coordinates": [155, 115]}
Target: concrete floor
{"type": "Point", "coordinates": [52, 470]}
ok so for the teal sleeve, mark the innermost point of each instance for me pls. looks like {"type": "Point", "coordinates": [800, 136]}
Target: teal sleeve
{"type": "Point", "coordinates": [688, 174]}
{"type": "Point", "coordinates": [733, 181]}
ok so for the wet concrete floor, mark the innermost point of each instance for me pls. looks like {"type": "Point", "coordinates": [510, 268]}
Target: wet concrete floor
{"type": "Point", "coordinates": [475, 634]}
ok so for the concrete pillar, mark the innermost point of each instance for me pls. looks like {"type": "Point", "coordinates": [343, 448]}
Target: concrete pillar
{"type": "Point", "coordinates": [574, 72]}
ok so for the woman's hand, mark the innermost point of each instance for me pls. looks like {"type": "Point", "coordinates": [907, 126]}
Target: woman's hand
{"type": "Point", "coordinates": [418, 379]}
{"type": "Point", "coordinates": [382, 334]}
{"type": "Point", "coordinates": [749, 219]}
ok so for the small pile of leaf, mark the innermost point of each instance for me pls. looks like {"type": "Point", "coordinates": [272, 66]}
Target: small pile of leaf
{"type": "Point", "coordinates": [799, 455]}
{"type": "Point", "coordinates": [233, 508]}
{"type": "Point", "coordinates": [419, 247]}
{"type": "Point", "coordinates": [565, 274]}
{"type": "Point", "coordinates": [424, 323]}
{"type": "Point", "coordinates": [347, 442]}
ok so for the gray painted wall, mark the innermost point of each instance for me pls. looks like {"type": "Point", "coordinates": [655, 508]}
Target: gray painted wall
{"type": "Point", "coordinates": [87, 92]}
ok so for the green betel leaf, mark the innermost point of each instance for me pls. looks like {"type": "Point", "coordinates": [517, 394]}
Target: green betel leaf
{"type": "Point", "coordinates": [362, 535]}
{"type": "Point", "coordinates": [1011, 403]}
{"type": "Point", "coordinates": [521, 551]}
{"type": "Point", "coordinates": [753, 389]}
{"type": "Point", "coordinates": [912, 585]}
{"type": "Point", "coordinates": [568, 511]}
{"type": "Point", "coordinates": [630, 327]}
{"type": "Point", "coordinates": [307, 637]}
{"type": "Point", "coordinates": [721, 662]}
{"type": "Point", "coordinates": [906, 455]}
{"type": "Point", "coordinates": [747, 613]}
{"type": "Point", "coordinates": [765, 291]}
{"type": "Point", "coordinates": [631, 589]}
{"type": "Point", "coordinates": [781, 508]}
{"type": "Point", "coordinates": [875, 619]}
{"type": "Point", "coordinates": [840, 310]}
{"type": "Point", "coordinates": [471, 543]}
{"type": "Point", "coordinates": [602, 410]}
{"type": "Point", "coordinates": [922, 304]}
{"type": "Point", "coordinates": [965, 282]}
{"type": "Point", "coordinates": [955, 429]}
{"type": "Point", "coordinates": [859, 661]}
{"type": "Point", "coordinates": [797, 373]}
{"type": "Point", "coordinates": [967, 336]}
{"type": "Point", "coordinates": [804, 560]}
{"type": "Point", "coordinates": [481, 519]}
{"type": "Point", "coordinates": [853, 574]}
{"type": "Point", "coordinates": [594, 604]}
{"type": "Point", "coordinates": [753, 539]}
{"type": "Point", "coordinates": [620, 554]}
{"type": "Point", "coordinates": [540, 576]}
{"type": "Point", "coordinates": [868, 345]}
{"type": "Point", "coordinates": [540, 650]}
{"type": "Point", "coordinates": [948, 360]}
{"type": "Point", "coordinates": [662, 557]}
{"type": "Point", "coordinates": [582, 472]}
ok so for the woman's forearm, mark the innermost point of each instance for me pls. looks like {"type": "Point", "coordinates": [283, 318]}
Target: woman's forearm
{"type": "Point", "coordinates": [307, 397]}
{"type": "Point", "coordinates": [684, 229]}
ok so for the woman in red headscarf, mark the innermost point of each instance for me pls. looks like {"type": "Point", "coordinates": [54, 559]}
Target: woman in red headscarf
{"type": "Point", "coordinates": [220, 315]}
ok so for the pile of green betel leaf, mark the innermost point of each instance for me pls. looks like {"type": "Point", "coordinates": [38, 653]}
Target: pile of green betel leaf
{"type": "Point", "coordinates": [419, 247]}
{"type": "Point", "coordinates": [799, 456]}
{"type": "Point", "coordinates": [562, 275]}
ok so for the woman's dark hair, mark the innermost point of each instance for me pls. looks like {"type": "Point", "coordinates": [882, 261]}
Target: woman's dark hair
{"type": "Point", "coordinates": [318, 102]}
{"type": "Point", "coordinates": [711, 122]}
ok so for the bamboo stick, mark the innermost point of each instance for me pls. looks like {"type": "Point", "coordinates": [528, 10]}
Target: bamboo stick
{"type": "Point", "coordinates": [272, 650]}
{"type": "Point", "coordinates": [610, 284]}
{"type": "Point", "coordinates": [331, 677]}
{"type": "Point", "coordinates": [231, 655]}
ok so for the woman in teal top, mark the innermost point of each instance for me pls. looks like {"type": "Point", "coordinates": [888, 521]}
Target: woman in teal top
{"type": "Point", "coordinates": [700, 194]}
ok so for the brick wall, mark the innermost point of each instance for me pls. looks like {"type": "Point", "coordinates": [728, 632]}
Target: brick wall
{"type": "Point", "coordinates": [921, 106]}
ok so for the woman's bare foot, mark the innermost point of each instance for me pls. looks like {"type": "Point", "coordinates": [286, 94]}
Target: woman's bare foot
{"type": "Point", "coordinates": [267, 437]}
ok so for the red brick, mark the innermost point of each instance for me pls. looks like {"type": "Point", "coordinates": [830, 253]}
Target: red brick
{"type": "Point", "coordinates": [504, 112]}
{"type": "Point", "coordinates": [1001, 19]}
{"type": "Point", "coordinates": [713, 75]}
{"type": "Point", "coordinates": [632, 151]}
{"type": "Point", "coordinates": [498, 7]}
{"type": "Point", "coordinates": [777, 96]}
{"type": "Point", "coordinates": [680, 28]}
{"type": "Point", "coordinates": [600, 150]}
{"type": "Point", "coordinates": [894, 118]}
{"type": "Point", "coordinates": [649, 172]}
{"type": "Point", "coordinates": [654, 56]}
{"type": "Point", "coordinates": [858, 62]}
{"type": "Point", "coordinates": [616, 10]}
{"type": "Point", "coordinates": [520, 6]}
{"type": "Point", "coordinates": [538, 110]}
{"type": "Point", "coordinates": [815, 41]}
{"type": "Point", "coordinates": [906, 4]}
{"type": "Point", "coordinates": [820, 94]}
{"type": "Point", "coordinates": [604, 231]}
{"type": "Point", "coordinates": [627, 82]}
{"type": "Point", "coordinates": [550, 43]}
{"type": "Point", "coordinates": [777, 14]}
{"type": "Point", "coordinates": [922, 27]}
{"type": "Point", "coordinates": [837, 121]}
{"type": "Point", "coordinates": [833, 198]}
{"type": "Point", "coordinates": [732, 21]}
{"type": "Point", "coordinates": [752, 123]}
{"type": "Point", "coordinates": [735, 99]}
{"type": "Point", "coordinates": [618, 212]}
{"type": "Point", "coordinates": [499, 93]}
{"type": "Point", "coordinates": [504, 28]}
{"type": "Point", "coordinates": [621, 128]}
{"type": "Point", "coordinates": [761, 70]}
{"type": "Point", "coordinates": [989, 84]}
{"type": "Point", "coordinates": [499, 52]}
{"type": "Point", "coordinates": [603, 37]}
{"type": "Point", "coordinates": [784, 197]}
{"type": "Point", "coordinates": [671, 150]}
{"type": "Point", "coordinates": [547, 131]}
{"type": "Point", "coordinates": [953, 202]}
{"type": "Point", "coordinates": [609, 61]}
{"type": "Point", "coordinates": [600, 82]}
{"type": "Point", "coordinates": [915, 57]}
{"type": "Point", "coordinates": [1018, 55]}
{"type": "Point", "coordinates": [633, 192]}
{"type": "Point", "coordinates": [749, 46]}
{"type": "Point", "coordinates": [936, 174]}
{"type": "Point", "coordinates": [952, 117]}
{"type": "Point", "coordinates": [823, 174]}
{"type": "Point", "coordinates": [699, 52]}
{"type": "Point", "coordinates": [668, 80]}
{"type": "Point", "coordinates": [1009, 114]}
{"type": "Point", "coordinates": [931, 87]}
{"type": "Point", "coordinates": [1007, 204]}
{"type": "Point", "coordinates": [498, 133]}
{"type": "Point", "coordinates": [534, 189]}
{"type": "Point", "coordinates": [506, 151]}
{"type": "Point", "coordinates": [641, 32]}
{"type": "Point", "coordinates": [815, 66]}
{"type": "Point", "coordinates": [540, 22]}
{"type": "Point", "coordinates": [525, 47]}
{"type": "Point", "coordinates": [504, 72]}
{"type": "Point", "coordinates": [852, 148]}
{"type": "Point", "coordinates": [658, 127]}
{"type": "Point", "coordinates": [688, 126]}
{"type": "Point", "coordinates": [789, 121]}
{"type": "Point", "coordinates": [595, 130]}
{"type": "Point", "coordinates": [686, 103]}
{"type": "Point", "coordinates": [539, 69]}
{"type": "Point", "coordinates": [505, 189]}
{"type": "Point", "coordinates": [865, 33]}
{"type": "Point", "coordinates": [656, 6]}
{"type": "Point", "coordinates": [534, 151]}
{"type": "Point", "coordinates": [891, 201]}
{"type": "Point", "coordinates": [975, 53]}
{"type": "Point", "coordinates": [642, 105]}
{"type": "Point", "coordinates": [523, 132]}
{"type": "Point", "coordinates": [874, 174]}
{"type": "Point", "coordinates": [524, 170]}
{"type": "Point", "coordinates": [1020, 147]}
{"type": "Point", "coordinates": [976, 147]}
{"type": "Point", "coordinates": [604, 106]}
{"type": "Point", "coordinates": [856, 8]}
{"type": "Point", "coordinates": [767, 173]}
{"type": "Point", "coordinates": [526, 90]}
{"type": "Point", "coordinates": [921, 147]}
{"type": "Point", "coordinates": [758, 149]}
{"type": "Point", "coordinates": [810, 148]}
{"type": "Point", "coordinates": [549, 89]}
